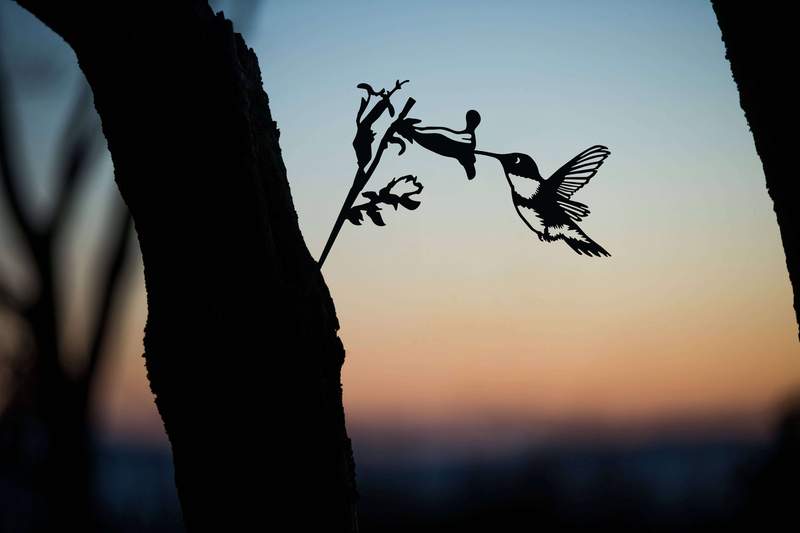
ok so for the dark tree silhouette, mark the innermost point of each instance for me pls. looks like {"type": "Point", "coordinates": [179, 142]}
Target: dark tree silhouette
{"type": "Point", "coordinates": [241, 340]}
{"type": "Point", "coordinates": [759, 40]}
{"type": "Point", "coordinates": [771, 486]}
{"type": "Point", "coordinates": [44, 427]}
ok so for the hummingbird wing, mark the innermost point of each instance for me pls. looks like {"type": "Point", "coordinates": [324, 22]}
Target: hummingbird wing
{"type": "Point", "coordinates": [574, 210]}
{"type": "Point", "coordinates": [577, 172]}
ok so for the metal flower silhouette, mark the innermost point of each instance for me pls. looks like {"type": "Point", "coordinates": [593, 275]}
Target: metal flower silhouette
{"type": "Point", "coordinates": [544, 205]}
{"type": "Point", "coordinates": [446, 142]}
{"type": "Point", "coordinates": [388, 197]}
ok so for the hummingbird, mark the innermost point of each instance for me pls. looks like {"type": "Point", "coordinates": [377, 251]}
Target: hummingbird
{"type": "Point", "coordinates": [546, 205]}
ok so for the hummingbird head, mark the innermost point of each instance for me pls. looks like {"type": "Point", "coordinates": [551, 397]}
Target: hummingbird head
{"type": "Point", "coordinates": [519, 164]}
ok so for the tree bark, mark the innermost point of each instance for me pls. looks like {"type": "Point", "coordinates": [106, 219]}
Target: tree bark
{"type": "Point", "coordinates": [241, 340]}
{"type": "Point", "coordinates": [759, 43]}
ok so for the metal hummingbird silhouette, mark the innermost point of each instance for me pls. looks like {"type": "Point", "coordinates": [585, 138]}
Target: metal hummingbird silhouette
{"type": "Point", "coordinates": [545, 205]}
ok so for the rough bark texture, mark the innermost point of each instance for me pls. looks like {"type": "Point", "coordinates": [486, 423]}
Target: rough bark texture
{"type": "Point", "coordinates": [759, 43]}
{"type": "Point", "coordinates": [240, 344]}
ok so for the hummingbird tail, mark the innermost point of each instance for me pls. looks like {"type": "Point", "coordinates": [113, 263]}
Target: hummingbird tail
{"type": "Point", "coordinates": [576, 239]}
{"type": "Point", "coordinates": [587, 247]}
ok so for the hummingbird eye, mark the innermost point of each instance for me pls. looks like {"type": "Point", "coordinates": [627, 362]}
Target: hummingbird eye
{"type": "Point", "coordinates": [517, 160]}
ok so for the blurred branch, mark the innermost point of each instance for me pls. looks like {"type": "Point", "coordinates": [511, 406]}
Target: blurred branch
{"type": "Point", "coordinates": [118, 256]}
{"type": "Point", "coordinates": [8, 300]}
{"type": "Point", "coordinates": [77, 143]}
{"type": "Point", "coordinates": [9, 179]}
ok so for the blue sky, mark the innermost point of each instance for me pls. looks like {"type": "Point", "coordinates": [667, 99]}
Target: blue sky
{"type": "Point", "coordinates": [457, 314]}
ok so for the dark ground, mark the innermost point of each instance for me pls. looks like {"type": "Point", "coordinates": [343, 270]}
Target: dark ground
{"type": "Point", "coordinates": [682, 483]}
{"type": "Point", "coordinates": [664, 486]}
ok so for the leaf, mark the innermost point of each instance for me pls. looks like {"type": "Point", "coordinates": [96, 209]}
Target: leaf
{"type": "Point", "coordinates": [361, 109]}
{"type": "Point", "coordinates": [362, 144]}
{"type": "Point", "coordinates": [392, 200]}
{"type": "Point", "coordinates": [375, 216]}
{"type": "Point", "coordinates": [400, 142]}
{"type": "Point", "coordinates": [406, 128]}
{"type": "Point", "coordinates": [404, 198]}
{"type": "Point", "coordinates": [355, 216]}
{"type": "Point", "coordinates": [409, 186]}
{"type": "Point", "coordinates": [405, 185]}
{"type": "Point", "coordinates": [408, 202]}
{"type": "Point", "coordinates": [367, 87]}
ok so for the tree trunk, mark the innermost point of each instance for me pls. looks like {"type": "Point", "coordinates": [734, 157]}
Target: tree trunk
{"type": "Point", "coordinates": [241, 340]}
{"type": "Point", "coordinates": [759, 39]}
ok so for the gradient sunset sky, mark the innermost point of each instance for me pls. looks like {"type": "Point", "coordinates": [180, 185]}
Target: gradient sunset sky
{"type": "Point", "coordinates": [456, 315]}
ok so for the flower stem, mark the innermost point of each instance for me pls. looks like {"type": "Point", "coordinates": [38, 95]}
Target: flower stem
{"type": "Point", "coordinates": [360, 181]}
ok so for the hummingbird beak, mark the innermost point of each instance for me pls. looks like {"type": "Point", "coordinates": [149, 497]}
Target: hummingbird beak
{"type": "Point", "coordinates": [501, 158]}
{"type": "Point", "coordinates": [504, 159]}
{"type": "Point", "coordinates": [489, 154]}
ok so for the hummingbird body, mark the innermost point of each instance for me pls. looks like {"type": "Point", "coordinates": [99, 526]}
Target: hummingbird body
{"type": "Point", "coordinates": [546, 205]}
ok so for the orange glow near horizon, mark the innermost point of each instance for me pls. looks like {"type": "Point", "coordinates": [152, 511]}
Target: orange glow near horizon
{"type": "Point", "coordinates": [433, 361]}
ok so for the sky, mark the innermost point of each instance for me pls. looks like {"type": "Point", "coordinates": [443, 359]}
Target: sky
{"type": "Point", "coordinates": [456, 319]}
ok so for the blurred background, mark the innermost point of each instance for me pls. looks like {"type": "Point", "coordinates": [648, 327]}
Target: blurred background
{"type": "Point", "coordinates": [492, 382]}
